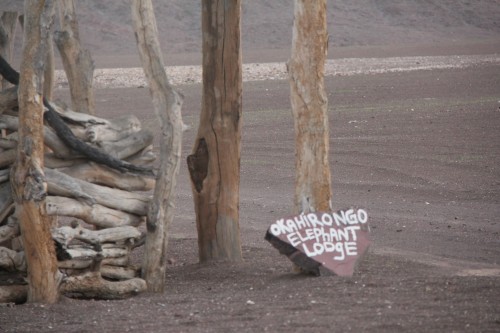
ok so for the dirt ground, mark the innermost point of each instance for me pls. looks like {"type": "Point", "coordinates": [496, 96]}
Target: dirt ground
{"type": "Point", "coordinates": [420, 151]}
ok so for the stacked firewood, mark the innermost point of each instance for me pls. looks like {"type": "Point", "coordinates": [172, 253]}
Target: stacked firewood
{"type": "Point", "coordinates": [97, 210]}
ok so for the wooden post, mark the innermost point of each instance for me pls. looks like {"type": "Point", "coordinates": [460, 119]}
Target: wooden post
{"type": "Point", "coordinates": [28, 179]}
{"type": "Point", "coordinates": [214, 165]}
{"type": "Point", "coordinates": [50, 66]}
{"type": "Point", "coordinates": [310, 106]}
{"type": "Point", "coordinates": [167, 106]}
{"type": "Point", "coordinates": [8, 22]}
{"type": "Point", "coordinates": [77, 62]}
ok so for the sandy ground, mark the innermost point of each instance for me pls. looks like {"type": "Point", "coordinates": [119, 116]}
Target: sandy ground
{"type": "Point", "coordinates": [419, 150]}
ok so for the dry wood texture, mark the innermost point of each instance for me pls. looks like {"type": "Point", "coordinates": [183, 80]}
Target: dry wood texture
{"type": "Point", "coordinates": [98, 174]}
{"type": "Point", "coordinates": [8, 99]}
{"type": "Point", "coordinates": [92, 285]}
{"type": "Point", "coordinates": [13, 294]}
{"type": "Point", "coordinates": [55, 175]}
{"type": "Point", "coordinates": [10, 229]}
{"type": "Point", "coordinates": [63, 185]}
{"type": "Point", "coordinates": [214, 165]}
{"type": "Point", "coordinates": [98, 215]}
{"type": "Point", "coordinates": [28, 180]}
{"type": "Point", "coordinates": [167, 106]}
{"type": "Point", "coordinates": [309, 106]}
{"type": "Point", "coordinates": [72, 186]}
{"type": "Point", "coordinates": [77, 61]}
{"type": "Point", "coordinates": [11, 260]}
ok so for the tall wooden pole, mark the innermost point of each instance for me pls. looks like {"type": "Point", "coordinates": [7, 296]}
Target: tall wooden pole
{"type": "Point", "coordinates": [310, 106]}
{"type": "Point", "coordinates": [214, 165]}
{"type": "Point", "coordinates": [77, 61]}
{"type": "Point", "coordinates": [167, 106]}
{"type": "Point", "coordinates": [50, 67]}
{"type": "Point", "coordinates": [28, 180]}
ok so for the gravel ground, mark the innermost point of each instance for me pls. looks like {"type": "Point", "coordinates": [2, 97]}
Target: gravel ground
{"type": "Point", "coordinates": [420, 150]}
{"type": "Point", "coordinates": [134, 77]}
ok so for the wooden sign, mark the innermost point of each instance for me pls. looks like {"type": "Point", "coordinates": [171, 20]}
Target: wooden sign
{"type": "Point", "coordinates": [334, 240]}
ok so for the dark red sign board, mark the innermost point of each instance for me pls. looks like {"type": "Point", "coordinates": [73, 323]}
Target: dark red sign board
{"type": "Point", "coordinates": [334, 240]}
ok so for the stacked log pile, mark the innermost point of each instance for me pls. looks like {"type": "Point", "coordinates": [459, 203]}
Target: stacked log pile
{"type": "Point", "coordinates": [99, 210]}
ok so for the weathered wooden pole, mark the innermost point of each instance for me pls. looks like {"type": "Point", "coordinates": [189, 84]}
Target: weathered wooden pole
{"type": "Point", "coordinates": [50, 67]}
{"type": "Point", "coordinates": [214, 165]}
{"type": "Point", "coordinates": [167, 106]}
{"type": "Point", "coordinates": [310, 106]}
{"type": "Point", "coordinates": [77, 61]}
{"type": "Point", "coordinates": [28, 180]}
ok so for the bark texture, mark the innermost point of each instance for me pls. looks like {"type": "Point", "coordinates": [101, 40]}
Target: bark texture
{"type": "Point", "coordinates": [77, 61]}
{"type": "Point", "coordinates": [310, 107]}
{"type": "Point", "coordinates": [50, 66]}
{"type": "Point", "coordinates": [28, 179]}
{"type": "Point", "coordinates": [92, 285]}
{"type": "Point", "coordinates": [167, 106]}
{"type": "Point", "coordinates": [214, 165]}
